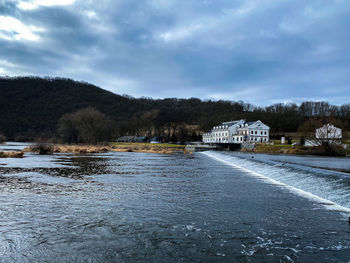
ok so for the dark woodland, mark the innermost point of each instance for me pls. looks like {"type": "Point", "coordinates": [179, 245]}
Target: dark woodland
{"type": "Point", "coordinates": [32, 108]}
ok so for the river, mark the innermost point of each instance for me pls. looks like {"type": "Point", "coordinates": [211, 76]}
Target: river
{"type": "Point", "coordinates": [141, 207]}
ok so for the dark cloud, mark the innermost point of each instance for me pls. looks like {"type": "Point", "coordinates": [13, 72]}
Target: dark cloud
{"type": "Point", "coordinates": [257, 51]}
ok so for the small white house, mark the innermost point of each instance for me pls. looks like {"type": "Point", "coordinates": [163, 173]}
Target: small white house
{"type": "Point", "coordinates": [328, 132]}
{"type": "Point", "coordinates": [237, 132]}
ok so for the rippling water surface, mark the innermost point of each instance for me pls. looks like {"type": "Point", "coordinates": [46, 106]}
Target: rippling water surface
{"type": "Point", "coordinates": [137, 207]}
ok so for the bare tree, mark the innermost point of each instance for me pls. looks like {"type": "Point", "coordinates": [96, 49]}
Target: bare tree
{"type": "Point", "coordinates": [86, 126]}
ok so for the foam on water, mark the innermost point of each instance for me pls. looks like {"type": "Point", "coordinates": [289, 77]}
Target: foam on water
{"type": "Point", "coordinates": [327, 191]}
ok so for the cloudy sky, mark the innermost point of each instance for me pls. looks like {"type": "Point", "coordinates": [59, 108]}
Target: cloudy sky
{"type": "Point", "coordinates": [259, 51]}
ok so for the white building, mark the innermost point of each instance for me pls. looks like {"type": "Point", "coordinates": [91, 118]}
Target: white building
{"type": "Point", "coordinates": [238, 132]}
{"type": "Point", "coordinates": [328, 132]}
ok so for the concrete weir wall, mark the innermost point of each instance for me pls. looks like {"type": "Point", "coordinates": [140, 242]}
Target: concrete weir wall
{"type": "Point", "coordinates": [218, 146]}
{"type": "Point", "coordinates": [200, 148]}
{"type": "Point", "coordinates": [248, 146]}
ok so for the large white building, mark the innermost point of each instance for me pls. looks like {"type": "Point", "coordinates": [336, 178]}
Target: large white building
{"type": "Point", "coordinates": [238, 132]}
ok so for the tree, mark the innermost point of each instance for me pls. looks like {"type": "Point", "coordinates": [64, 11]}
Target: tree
{"type": "Point", "coordinates": [87, 125]}
{"type": "Point", "coordinates": [2, 138]}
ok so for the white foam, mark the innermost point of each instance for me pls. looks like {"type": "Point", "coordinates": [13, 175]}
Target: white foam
{"type": "Point", "coordinates": [326, 203]}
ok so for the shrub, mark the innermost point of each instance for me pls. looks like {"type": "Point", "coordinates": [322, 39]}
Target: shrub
{"type": "Point", "coordinates": [42, 148]}
{"type": "Point", "coordinates": [2, 138]}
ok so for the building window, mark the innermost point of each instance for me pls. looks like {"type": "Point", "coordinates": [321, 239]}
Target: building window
{"type": "Point", "coordinates": [261, 133]}
{"type": "Point", "coordinates": [256, 132]}
{"type": "Point", "coordinates": [252, 132]}
{"type": "Point", "coordinates": [265, 133]}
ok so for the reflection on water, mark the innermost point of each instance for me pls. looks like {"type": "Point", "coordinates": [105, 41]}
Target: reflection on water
{"type": "Point", "coordinates": [137, 207]}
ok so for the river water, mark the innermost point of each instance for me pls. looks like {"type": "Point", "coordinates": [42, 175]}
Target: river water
{"type": "Point", "coordinates": [138, 207]}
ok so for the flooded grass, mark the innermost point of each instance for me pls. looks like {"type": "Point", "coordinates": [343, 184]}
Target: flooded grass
{"type": "Point", "coordinates": [11, 154]}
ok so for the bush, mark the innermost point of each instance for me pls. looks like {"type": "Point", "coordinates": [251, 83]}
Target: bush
{"type": "Point", "coordinates": [42, 148]}
{"type": "Point", "coordinates": [2, 138]}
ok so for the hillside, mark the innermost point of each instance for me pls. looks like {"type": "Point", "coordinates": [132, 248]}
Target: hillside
{"type": "Point", "coordinates": [30, 107]}
{"type": "Point", "coordinates": [33, 105]}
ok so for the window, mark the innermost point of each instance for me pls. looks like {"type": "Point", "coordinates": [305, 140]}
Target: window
{"type": "Point", "coordinates": [261, 133]}
{"type": "Point", "coordinates": [265, 133]}
{"type": "Point", "coordinates": [252, 132]}
{"type": "Point", "coordinates": [256, 132]}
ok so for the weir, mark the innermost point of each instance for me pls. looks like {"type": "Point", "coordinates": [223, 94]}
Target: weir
{"type": "Point", "coordinates": [214, 146]}
{"type": "Point", "coordinates": [329, 191]}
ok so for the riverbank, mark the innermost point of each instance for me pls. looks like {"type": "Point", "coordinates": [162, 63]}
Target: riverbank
{"type": "Point", "coordinates": [293, 149]}
{"type": "Point", "coordinates": [11, 154]}
{"type": "Point", "coordinates": [163, 148]}
{"type": "Point", "coordinates": [116, 147]}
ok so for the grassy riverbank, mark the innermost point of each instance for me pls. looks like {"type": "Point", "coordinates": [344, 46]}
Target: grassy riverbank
{"type": "Point", "coordinates": [116, 147]}
{"type": "Point", "coordinates": [164, 148]}
{"type": "Point", "coordinates": [11, 154]}
{"type": "Point", "coordinates": [294, 149]}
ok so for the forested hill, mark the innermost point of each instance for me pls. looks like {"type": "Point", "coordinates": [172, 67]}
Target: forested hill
{"type": "Point", "coordinates": [30, 107]}
{"type": "Point", "coordinates": [34, 105]}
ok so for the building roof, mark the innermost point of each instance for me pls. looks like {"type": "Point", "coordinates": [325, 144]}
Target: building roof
{"type": "Point", "coordinates": [230, 123]}
{"type": "Point", "coordinates": [250, 122]}
{"type": "Point", "coordinates": [330, 126]}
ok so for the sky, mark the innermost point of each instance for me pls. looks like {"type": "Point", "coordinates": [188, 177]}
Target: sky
{"type": "Point", "coordinates": [259, 51]}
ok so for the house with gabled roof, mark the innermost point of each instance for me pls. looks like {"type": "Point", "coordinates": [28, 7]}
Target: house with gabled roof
{"type": "Point", "coordinates": [237, 132]}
